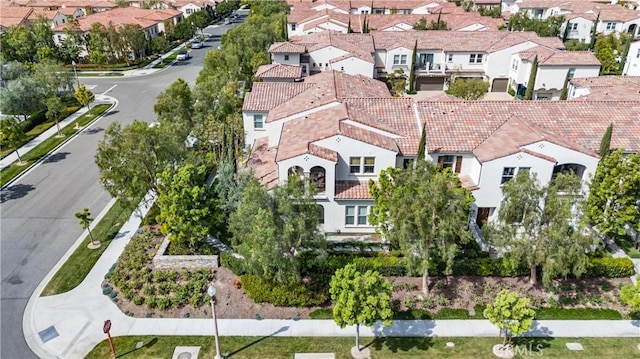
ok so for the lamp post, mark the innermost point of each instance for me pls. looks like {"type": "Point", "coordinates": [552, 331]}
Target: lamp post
{"type": "Point", "coordinates": [212, 293]}
{"type": "Point", "coordinates": [73, 63]}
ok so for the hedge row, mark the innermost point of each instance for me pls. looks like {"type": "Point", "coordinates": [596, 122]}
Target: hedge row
{"type": "Point", "coordinates": [282, 295]}
{"type": "Point", "coordinates": [500, 267]}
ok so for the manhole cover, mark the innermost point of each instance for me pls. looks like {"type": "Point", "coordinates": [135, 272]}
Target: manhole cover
{"type": "Point", "coordinates": [184, 355]}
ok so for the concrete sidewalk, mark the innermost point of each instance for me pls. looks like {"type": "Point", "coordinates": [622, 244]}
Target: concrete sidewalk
{"type": "Point", "coordinates": [69, 325]}
{"type": "Point", "coordinates": [52, 131]}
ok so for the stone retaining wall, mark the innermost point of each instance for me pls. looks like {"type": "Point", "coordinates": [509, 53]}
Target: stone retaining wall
{"type": "Point", "coordinates": [164, 262]}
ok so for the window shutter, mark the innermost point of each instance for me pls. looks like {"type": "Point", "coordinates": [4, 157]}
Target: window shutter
{"type": "Point", "coordinates": [458, 163]}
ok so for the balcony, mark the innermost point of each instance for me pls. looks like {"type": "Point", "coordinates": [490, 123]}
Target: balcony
{"type": "Point", "coordinates": [430, 68]}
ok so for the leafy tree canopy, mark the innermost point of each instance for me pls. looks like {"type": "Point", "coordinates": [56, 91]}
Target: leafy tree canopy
{"type": "Point", "coordinates": [511, 313]}
{"type": "Point", "coordinates": [469, 89]}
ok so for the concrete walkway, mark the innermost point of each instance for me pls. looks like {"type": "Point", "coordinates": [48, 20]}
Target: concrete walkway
{"type": "Point", "coordinates": [69, 325]}
{"type": "Point", "coordinates": [52, 131]}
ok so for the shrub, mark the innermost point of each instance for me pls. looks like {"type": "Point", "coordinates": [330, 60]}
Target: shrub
{"type": "Point", "coordinates": [452, 313]}
{"type": "Point", "coordinates": [262, 290]}
{"type": "Point", "coordinates": [107, 290]}
{"type": "Point", "coordinates": [150, 218]}
{"type": "Point", "coordinates": [150, 301]}
{"type": "Point", "coordinates": [232, 263]}
{"type": "Point", "coordinates": [413, 314]}
{"type": "Point", "coordinates": [610, 267]}
{"type": "Point", "coordinates": [138, 300]}
{"type": "Point", "coordinates": [321, 314]}
{"type": "Point", "coordinates": [577, 314]}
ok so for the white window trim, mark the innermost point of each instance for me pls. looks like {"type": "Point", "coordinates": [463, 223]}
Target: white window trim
{"type": "Point", "coordinates": [356, 215]}
{"type": "Point", "coordinates": [261, 121]}
{"type": "Point", "coordinates": [361, 166]}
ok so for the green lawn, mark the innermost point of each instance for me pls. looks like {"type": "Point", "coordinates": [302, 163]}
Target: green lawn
{"type": "Point", "coordinates": [283, 347]}
{"type": "Point", "coordinates": [76, 268]}
{"type": "Point", "coordinates": [10, 172]}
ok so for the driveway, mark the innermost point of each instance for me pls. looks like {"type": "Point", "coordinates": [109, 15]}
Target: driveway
{"type": "Point", "coordinates": [491, 96]}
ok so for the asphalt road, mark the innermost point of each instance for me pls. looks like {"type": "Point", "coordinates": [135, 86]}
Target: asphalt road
{"type": "Point", "coordinates": [37, 223]}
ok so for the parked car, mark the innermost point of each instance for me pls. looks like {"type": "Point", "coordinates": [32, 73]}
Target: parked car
{"type": "Point", "coordinates": [182, 55]}
{"type": "Point", "coordinates": [196, 44]}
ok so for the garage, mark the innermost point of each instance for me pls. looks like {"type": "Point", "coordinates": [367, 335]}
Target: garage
{"type": "Point", "coordinates": [500, 85]}
{"type": "Point", "coordinates": [430, 83]}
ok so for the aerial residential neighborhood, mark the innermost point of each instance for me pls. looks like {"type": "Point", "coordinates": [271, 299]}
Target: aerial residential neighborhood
{"type": "Point", "coordinates": [320, 178]}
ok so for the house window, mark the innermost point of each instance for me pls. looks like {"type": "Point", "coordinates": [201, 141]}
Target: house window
{"type": "Point", "coordinates": [514, 64]}
{"type": "Point", "coordinates": [399, 59]}
{"type": "Point", "coordinates": [293, 27]}
{"type": "Point", "coordinates": [450, 58]}
{"type": "Point", "coordinates": [357, 215]}
{"type": "Point", "coordinates": [314, 64]}
{"type": "Point", "coordinates": [573, 26]}
{"type": "Point", "coordinates": [572, 71]}
{"type": "Point", "coordinates": [350, 215]}
{"type": "Point", "coordinates": [258, 122]}
{"type": "Point", "coordinates": [638, 54]}
{"type": "Point", "coordinates": [369, 164]}
{"type": "Point", "coordinates": [286, 57]}
{"type": "Point", "coordinates": [354, 164]}
{"type": "Point", "coordinates": [611, 26]}
{"type": "Point", "coordinates": [342, 68]}
{"type": "Point", "coordinates": [407, 162]}
{"type": "Point", "coordinates": [475, 58]}
{"type": "Point", "coordinates": [507, 174]}
{"type": "Point", "coordinates": [446, 161]}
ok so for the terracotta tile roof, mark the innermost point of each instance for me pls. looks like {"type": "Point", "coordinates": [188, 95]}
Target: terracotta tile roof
{"type": "Point", "coordinates": [14, 15]}
{"type": "Point", "coordinates": [615, 13]}
{"type": "Point", "coordinates": [358, 86]}
{"type": "Point", "coordinates": [286, 48]}
{"type": "Point", "coordinates": [463, 126]}
{"type": "Point", "coordinates": [69, 10]}
{"type": "Point", "coordinates": [608, 88]}
{"type": "Point", "coordinates": [265, 96]}
{"type": "Point", "coordinates": [577, 58]}
{"type": "Point", "coordinates": [398, 116]}
{"type": "Point", "coordinates": [352, 190]}
{"type": "Point", "coordinates": [442, 97]}
{"type": "Point", "coordinates": [282, 71]}
{"type": "Point", "coordinates": [262, 160]}
{"type": "Point", "coordinates": [123, 16]}
{"type": "Point", "coordinates": [321, 91]}
{"type": "Point", "coordinates": [45, 14]}
{"type": "Point", "coordinates": [358, 45]}
{"type": "Point", "coordinates": [298, 134]}
{"type": "Point", "coordinates": [512, 135]}
{"type": "Point", "coordinates": [468, 183]}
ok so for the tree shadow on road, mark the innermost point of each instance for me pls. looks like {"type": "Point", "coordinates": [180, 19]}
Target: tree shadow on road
{"type": "Point", "coordinates": [56, 157]}
{"type": "Point", "coordinates": [15, 191]}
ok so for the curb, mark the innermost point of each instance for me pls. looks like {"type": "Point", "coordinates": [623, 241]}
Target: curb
{"type": "Point", "coordinates": [114, 104]}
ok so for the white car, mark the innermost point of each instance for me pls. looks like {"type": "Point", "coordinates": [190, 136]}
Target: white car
{"type": "Point", "coordinates": [182, 55]}
{"type": "Point", "coordinates": [196, 44]}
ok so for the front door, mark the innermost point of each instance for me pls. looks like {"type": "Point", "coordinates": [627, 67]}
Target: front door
{"type": "Point", "coordinates": [483, 216]}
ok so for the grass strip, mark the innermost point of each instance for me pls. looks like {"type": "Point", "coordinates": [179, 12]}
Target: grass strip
{"type": "Point", "coordinates": [36, 131]}
{"type": "Point", "coordinates": [577, 314]}
{"type": "Point", "coordinates": [99, 74]}
{"type": "Point", "coordinates": [166, 61]}
{"type": "Point", "coordinates": [76, 268]}
{"type": "Point", "coordinates": [10, 172]}
{"type": "Point", "coordinates": [390, 347]}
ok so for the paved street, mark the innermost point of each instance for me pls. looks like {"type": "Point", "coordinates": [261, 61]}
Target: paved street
{"type": "Point", "coordinates": [37, 222]}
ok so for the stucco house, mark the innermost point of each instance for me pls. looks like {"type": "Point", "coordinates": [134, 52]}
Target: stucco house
{"type": "Point", "coordinates": [604, 88]}
{"type": "Point", "coordinates": [341, 130]}
{"type": "Point", "coordinates": [632, 63]}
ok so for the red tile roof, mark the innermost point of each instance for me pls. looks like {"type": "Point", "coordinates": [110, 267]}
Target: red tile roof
{"type": "Point", "coordinates": [286, 48]}
{"type": "Point", "coordinates": [14, 15]}
{"type": "Point", "coordinates": [352, 190]}
{"type": "Point", "coordinates": [262, 160]}
{"type": "Point", "coordinates": [265, 96]}
{"type": "Point", "coordinates": [279, 71]}
{"type": "Point", "coordinates": [122, 16]}
{"type": "Point", "coordinates": [464, 126]}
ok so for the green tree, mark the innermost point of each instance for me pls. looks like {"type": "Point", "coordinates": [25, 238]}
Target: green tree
{"type": "Point", "coordinates": [511, 313]}
{"type": "Point", "coordinates": [594, 33]}
{"type": "Point", "coordinates": [549, 27]}
{"type": "Point", "coordinates": [230, 185]}
{"type": "Point", "coordinates": [133, 41]}
{"type": "Point", "coordinates": [614, 194]}
{"type": "Point", "coordinates": [535, 226]}
{"type": "Point", "coordinates": [187, 205]}
{"type": "Point", "coordinates": [412, 71]}
{"type": "Point", "coordinates": [52, 77]}
{"type": "Point", "coordinates": [471, 89]}
{"type": "Point", "coordinates": [225, 8]}
{"type": "Point", "coordinates": [22, 97]}
{"type": "Point", "coordinates": [55, 110]}
{"type": "Point", "coordinates": [18, 44]}
{"type": "Point", "coordinates": [12, 135]}
{"type": "Point", "coordinates": [268, 229]}
{"type": "Point", "coordinates": [85, 222]}
{"type": "Point", "coordinates": [531, 84]}
{"type": "Point", "coordinates": [159, 44]}
{"type": "Point", "coordinates": [422, 145]}
{"type": "Point", "coordinates": [174, 107]}
{"type": "Point", "coordinates": [398, 81]}
{"type": "Point", "coordinates": [421, 24]}
{"type": "Point", "coordinates": [84, 96]}
{"type": "Point", "coordinates": [564, 93]}
{"type": "Point", "coordinates": [439, 24]}
{"type": "Point", "coordinates": [184, 30]}
{"type": "Point", "coordinates": [421, 209]}
{"type": "Point", "coordinates": [43, 40]}
{"type": "Point", "coordinates": [200, 20]}
{"type": "Point", "coordinates": [605, 142]}
{"type": "Point", "coordinates": [130, 158]}
{"type": "Point", "coordinates": [360, 299]}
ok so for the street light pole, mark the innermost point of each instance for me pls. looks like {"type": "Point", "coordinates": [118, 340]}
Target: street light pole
{"type": "Point", "coordinates": [212, 293]}
{"type": "Point", "coordinates": [73, 63]}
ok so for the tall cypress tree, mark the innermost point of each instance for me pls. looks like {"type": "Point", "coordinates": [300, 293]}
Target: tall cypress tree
{"type": "Point", "coordinates": [349, 29]}
{"type": "Point", "coordinates": [605, 143]}
{"type": "Point", "coordinates": [528, 94]}
{"type": "Point", "coordinates": [565, 35]}
{"type": "Point", "coordinates": [565, 88]}
{"type": "Point", "coordinates": [412, 71]}
{"type": "Point", "coordinates": [422, 151]}
{"type": "Point", "coordinates": [594, 34]}
{"type": "Point", "coordinates": [625, 53]}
